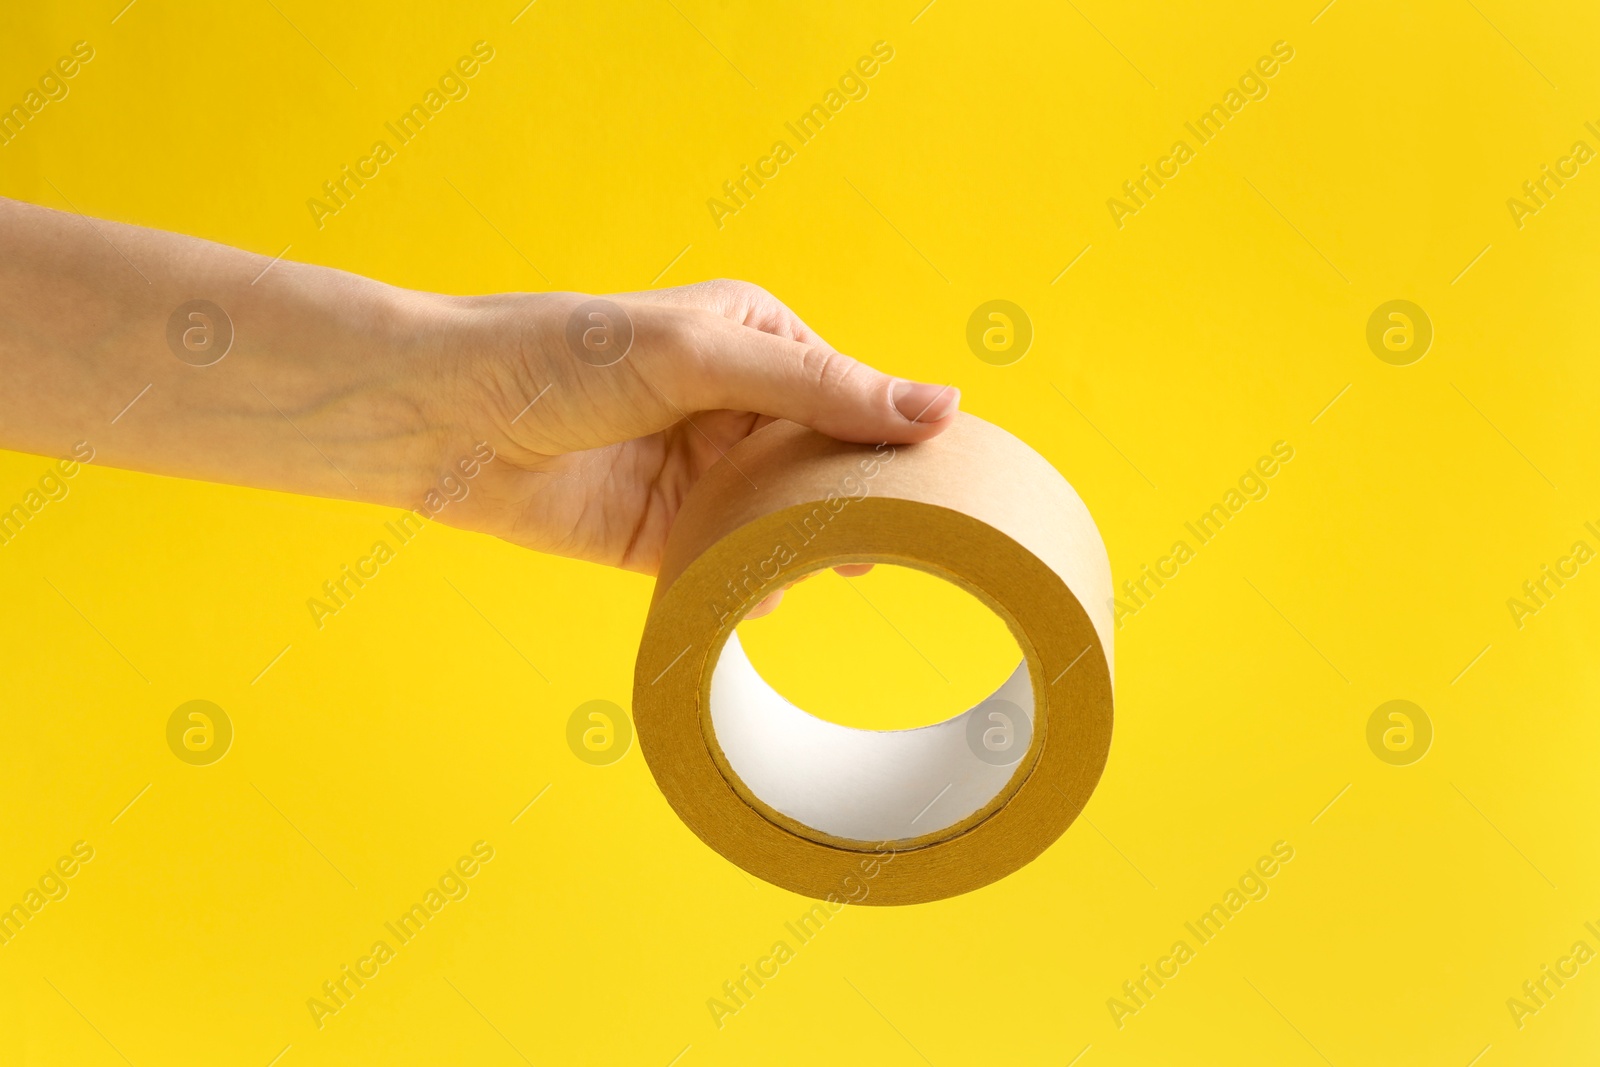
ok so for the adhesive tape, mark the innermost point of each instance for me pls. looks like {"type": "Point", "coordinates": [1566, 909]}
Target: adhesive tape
{"type": "Point", "coordinates": [913, 815]}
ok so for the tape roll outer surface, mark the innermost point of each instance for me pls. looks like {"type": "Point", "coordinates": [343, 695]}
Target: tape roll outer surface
{"type": "Point", "coordinates": [974, 506]}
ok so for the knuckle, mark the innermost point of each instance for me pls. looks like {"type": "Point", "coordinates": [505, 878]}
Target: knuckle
{"type": "Point", "coordinates": [755, 292]}
{"type": "Point", "coordinates": [826, 369]}
{"type": "Point", "coordinates": [741, 294]}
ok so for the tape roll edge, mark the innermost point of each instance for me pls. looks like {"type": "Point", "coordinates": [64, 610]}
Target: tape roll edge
{"type": "Point", "coordinates": [1073, 730]}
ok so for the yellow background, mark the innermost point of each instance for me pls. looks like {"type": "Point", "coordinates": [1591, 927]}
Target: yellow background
{"type": "Point", "coordinates": [1223, 317]}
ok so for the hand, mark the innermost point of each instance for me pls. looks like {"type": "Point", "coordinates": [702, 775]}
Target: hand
{"type": "Point", "coordinates": [593, 461]}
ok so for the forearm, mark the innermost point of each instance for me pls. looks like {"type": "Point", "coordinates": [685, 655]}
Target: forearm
{"type": "Point", "coordinates": [330, 385]}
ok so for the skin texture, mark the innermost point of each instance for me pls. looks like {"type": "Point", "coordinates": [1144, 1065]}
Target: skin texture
{"type": "Point", "coordinates": [341, 386]}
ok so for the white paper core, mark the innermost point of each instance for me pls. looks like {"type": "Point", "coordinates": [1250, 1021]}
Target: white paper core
{"type": "Point", "coordinates": [866, 785]}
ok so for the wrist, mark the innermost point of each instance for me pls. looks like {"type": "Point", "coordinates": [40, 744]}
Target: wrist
{"type": "Point", "coordinates": [449, 366]}
{"type": "Point", "coordinates": [401, 394]}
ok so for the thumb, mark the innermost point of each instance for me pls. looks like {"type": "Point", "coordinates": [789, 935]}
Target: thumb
{"type": "Point", "coordinates": [745, 369]}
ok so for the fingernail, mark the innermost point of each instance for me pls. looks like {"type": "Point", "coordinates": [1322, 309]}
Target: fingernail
{"type": "Point", "coordinates": [924, 402]}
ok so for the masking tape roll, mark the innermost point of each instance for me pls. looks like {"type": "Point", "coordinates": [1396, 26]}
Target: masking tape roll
{"type": "Point", "coordinates": [912, 815]}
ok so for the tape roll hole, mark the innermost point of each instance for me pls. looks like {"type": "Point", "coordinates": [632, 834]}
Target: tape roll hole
{"type": "Point", "coordinates": [897, 647]}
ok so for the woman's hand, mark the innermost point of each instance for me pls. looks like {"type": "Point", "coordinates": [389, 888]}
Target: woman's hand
{"type": "Point", "coordinates": [596, 447]}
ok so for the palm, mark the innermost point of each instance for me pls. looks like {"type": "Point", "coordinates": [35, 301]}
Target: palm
{"type": "Point", "coordinates": [611, 505]}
